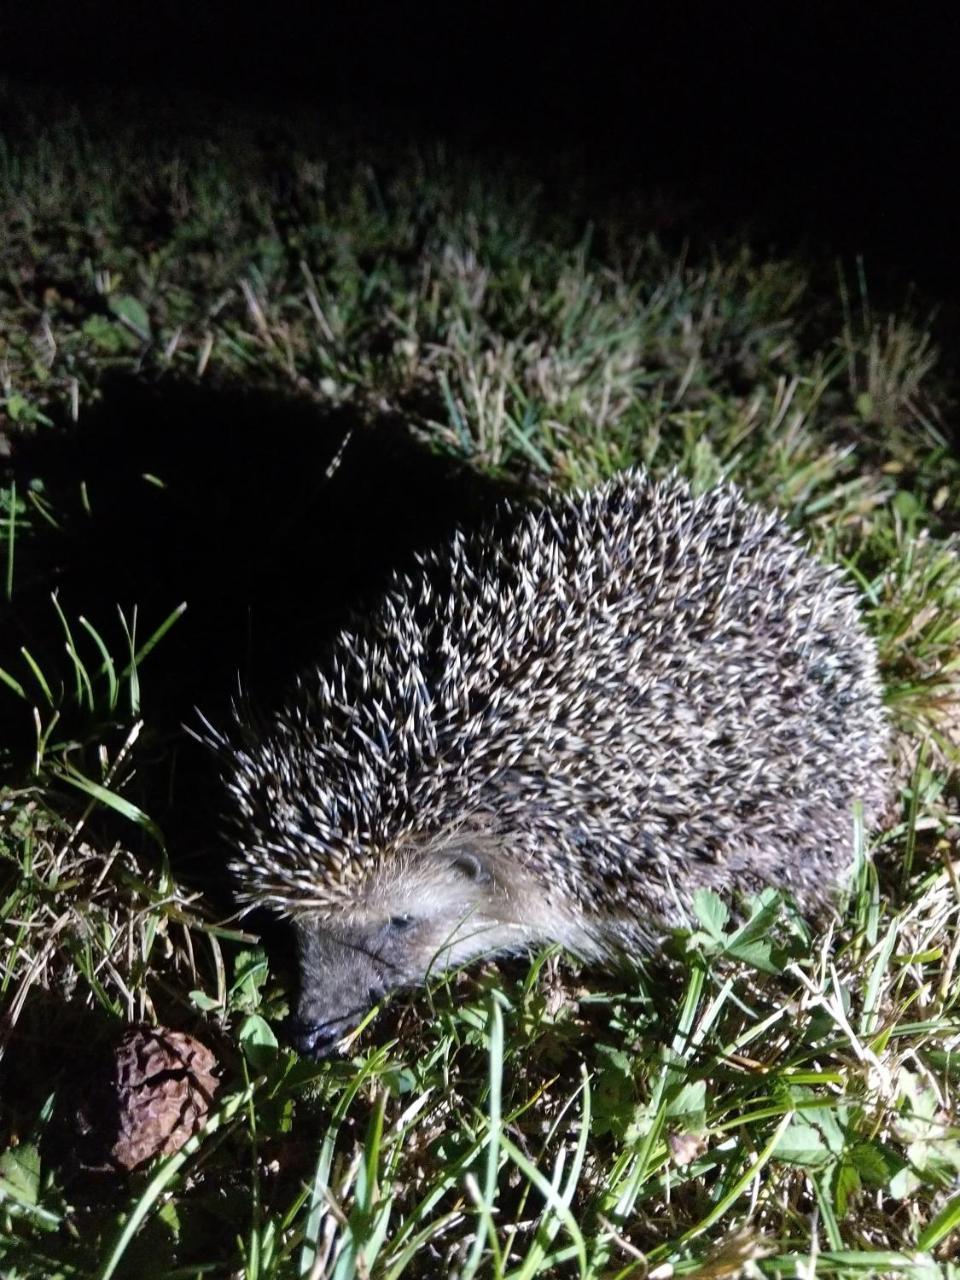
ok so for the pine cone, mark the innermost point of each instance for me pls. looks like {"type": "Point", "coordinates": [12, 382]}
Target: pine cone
{"type": "Point", "coordinates": [164, 1087]}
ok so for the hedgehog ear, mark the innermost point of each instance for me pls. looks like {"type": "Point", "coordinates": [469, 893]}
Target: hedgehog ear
{"type": "Point", "coordinates": [471, 866]}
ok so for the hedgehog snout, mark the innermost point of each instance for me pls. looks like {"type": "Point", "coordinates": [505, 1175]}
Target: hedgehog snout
{"type": "Point", "coordinates": [345, 968]}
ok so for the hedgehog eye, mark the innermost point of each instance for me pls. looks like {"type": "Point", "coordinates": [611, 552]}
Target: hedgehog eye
{"type": "Point", "coordinates": [469, 865]}
{"type": "Point", "coordinates": [401, 922]}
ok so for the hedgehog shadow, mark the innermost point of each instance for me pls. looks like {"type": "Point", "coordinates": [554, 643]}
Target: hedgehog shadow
{"type": "Point", "coordinates": [274, 520]}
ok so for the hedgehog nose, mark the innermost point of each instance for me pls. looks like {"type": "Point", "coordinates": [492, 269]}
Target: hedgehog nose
{"type": "Point", "coordinates": [314, 1039]}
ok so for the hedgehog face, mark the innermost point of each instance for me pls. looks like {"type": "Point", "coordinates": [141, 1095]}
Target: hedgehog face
{"type": "Point", "coordinates": [414, 915]}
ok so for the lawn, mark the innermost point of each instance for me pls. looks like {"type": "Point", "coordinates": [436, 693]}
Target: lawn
{"type": "Point", "coordinates": [245, 372]}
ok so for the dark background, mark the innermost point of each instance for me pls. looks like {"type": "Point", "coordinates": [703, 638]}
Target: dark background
{"type": "Point", "coordinates": [823, 123]}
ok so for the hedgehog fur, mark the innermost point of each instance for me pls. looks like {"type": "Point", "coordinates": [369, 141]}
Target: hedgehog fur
{"type": "Point", "coordinates": [560, 727]}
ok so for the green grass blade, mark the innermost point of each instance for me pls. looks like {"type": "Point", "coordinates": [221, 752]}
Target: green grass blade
{"type": "Point", "coordinates": [15, 685]}
{"type": "Point", "coordinates": [164, 1175]}
{"type": "Point", "coordinates": [103, 795]}
{"type": "Point", "coordinates": [38, 674]}
{"type": "Point", "coordinates": [107, 666]}
{"type": "Point", "coordinates": [81, 676]}
{"type": "Point", "coordinates": [945, 1224]}
{"type": "Point", "coordinates": [555, 1204]}
{"type": "Point", "coordinates": [487, 1198]}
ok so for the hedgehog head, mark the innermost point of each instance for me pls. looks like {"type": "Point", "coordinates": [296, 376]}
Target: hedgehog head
{"type": "Point", "coordinates": [379, 900]}
{"type": "Point", "coordinates": [416, 910]}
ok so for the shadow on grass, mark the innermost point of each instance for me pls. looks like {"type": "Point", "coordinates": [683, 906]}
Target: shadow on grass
{"type": "Point", "coordinates": [270, 518]}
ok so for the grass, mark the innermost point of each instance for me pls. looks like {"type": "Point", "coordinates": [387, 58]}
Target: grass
{"type": "Point", "coordinates": [774, 1101]}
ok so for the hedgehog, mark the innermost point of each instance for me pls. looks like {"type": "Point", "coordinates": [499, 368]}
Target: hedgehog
{"type": "Point", "coordinates": [557, 728]}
